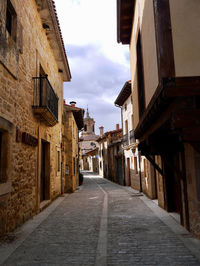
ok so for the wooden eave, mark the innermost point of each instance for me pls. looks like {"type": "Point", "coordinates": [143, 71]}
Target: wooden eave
{"type": "Point", "coordinates": [78, 114]}
{"type": "Point", "coordinates": [170, 105]}
{"type": "Point", "coordinates": [92, 152]}
{"type": "Point", "coordinates": [124, 94]}
{"type": "Point", "coordinates": [48, 15]}
{"type": "Point", "coordinates": [125, 13]}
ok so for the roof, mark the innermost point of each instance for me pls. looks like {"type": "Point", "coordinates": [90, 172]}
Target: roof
{"type": "Point", "coordinates": [78, 114]}
{"type": "Point", "coordinates": [92, 152]}
{"type": "Point", "coordinates": [48, 14]}
{"type": "Point", "coordinates": [109, 133]}
{"type": "Point", "coordinates": [124, 94]}
{"type": "Point", "coordinates": [125, 13]}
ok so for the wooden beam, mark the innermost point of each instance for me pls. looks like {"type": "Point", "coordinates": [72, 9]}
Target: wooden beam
{"type": "Point", "coordinates": [157, 167]}
{"type": "Point", "coordinates": [164, 43]}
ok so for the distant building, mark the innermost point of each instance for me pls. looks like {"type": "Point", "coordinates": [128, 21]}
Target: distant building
{"type": "Point", "coordinates": [111, 163]}
{"type": "Point", "coordinates": [72, 124]}
{"type": "Point", "coordinates": [131, 164]}
{"type": "Point", "coordinates": [88, 138]}
{"type": "Point", "coordinates": [91, 161]}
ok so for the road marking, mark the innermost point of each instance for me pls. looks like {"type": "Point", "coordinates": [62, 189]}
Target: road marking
{"type": "Point", "coordinates": [101, 254]}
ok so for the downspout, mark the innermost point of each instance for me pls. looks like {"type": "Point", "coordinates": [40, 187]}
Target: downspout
{"type": "Point", "coordinates": [140, 174]}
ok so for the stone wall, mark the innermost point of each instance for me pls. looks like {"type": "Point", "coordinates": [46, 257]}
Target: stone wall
{"type": "Point", "coordinates": [70, 142]}
{"type": "Point", "coordinates": [22, 200]}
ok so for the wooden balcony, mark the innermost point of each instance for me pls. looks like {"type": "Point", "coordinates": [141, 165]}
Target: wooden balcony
{"type": "Point", "coordinates": [45, 102]}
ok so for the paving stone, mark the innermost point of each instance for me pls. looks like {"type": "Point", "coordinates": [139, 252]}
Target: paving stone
{"type": "Point", "coordinates": [71, 234]}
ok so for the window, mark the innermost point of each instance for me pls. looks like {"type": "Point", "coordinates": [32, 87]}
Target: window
{"type": "Point", "coordinates": [3, 156]}
{"type": "Point", "coordinates": [11, 20]}
{"type": "Point", "coordinates": [93, 128]}
{"type": "Point", "coordinates": [140, 77]}
{"type": "Point", "coordinates": [117, 148]}
{"type": "Point", "coordinates": [85, 127]}
{"type": "Point", "coordinates": [125, 107]}
{"type": "Point", "coordinates": [126, 128]}
{"type": "Point", "coordinates": [58, 161]}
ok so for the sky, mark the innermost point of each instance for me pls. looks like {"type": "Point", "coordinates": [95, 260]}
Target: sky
{"type": "Point", "coordinates": [99, 65]}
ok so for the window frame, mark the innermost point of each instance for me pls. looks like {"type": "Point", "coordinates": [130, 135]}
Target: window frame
{"type": "Point", "coordinates": [13, 23]}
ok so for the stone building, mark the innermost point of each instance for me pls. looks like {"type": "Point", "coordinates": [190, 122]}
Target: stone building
{"type": "Point", "coordinates": [130, 152]}
{"type": "Point", "coordinates": [91, 161]}
{"type": "Point", "coordinates": [164, 42]}
{"type": "Point", "coordinates": [33, 67]}
{"type": "Point", "coordinates": [88, 140]}
{"type": "Point", "coordinates": [72, 123]}
{"type": "Point", "coordinates": [111, 164]}
{"type": "Point", "coordinates": [139, 173]}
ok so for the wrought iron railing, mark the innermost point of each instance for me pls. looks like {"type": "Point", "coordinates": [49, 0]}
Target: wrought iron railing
{"type": "Point", "coordinates": [44, 95]}
{"type": "Point", "coordinates": [131, 136]}
{"type": "Point", "coordinates": [125, 140]}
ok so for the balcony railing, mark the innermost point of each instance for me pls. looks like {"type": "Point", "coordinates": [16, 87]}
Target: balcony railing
{"type": "Point", "coordinates": [131, 136]}
{"type": "Point", "coordinates": [45, 101]}
{"type": "Point", "coordinates": [125, 140]}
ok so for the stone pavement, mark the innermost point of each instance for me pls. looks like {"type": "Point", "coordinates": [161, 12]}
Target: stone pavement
{"type": "Point", "coordinates": [100, 224]}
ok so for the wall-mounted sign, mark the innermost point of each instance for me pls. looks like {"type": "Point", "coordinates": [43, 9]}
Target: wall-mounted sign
{"type": "Point", "coordinates": [26, 138]}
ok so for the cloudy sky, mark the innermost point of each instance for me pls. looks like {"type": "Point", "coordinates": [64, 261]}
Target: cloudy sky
{"type": "Point", "coordinates": [98, 64]}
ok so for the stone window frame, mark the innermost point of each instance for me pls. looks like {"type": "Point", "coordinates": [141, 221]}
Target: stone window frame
{"type": "Point", "coordinates": [6, 129]}
{"type": "Point", "coordinates": [16, 34]}
{"type": "Point", "coordinates": [10, 10]}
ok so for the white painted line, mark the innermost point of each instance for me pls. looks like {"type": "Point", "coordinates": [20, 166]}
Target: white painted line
{"type": "Point", "coordinates": [101, 254]}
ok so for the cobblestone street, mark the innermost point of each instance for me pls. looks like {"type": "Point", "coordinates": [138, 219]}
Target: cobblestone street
{"type": "Point", "coordinates": [102, 223]}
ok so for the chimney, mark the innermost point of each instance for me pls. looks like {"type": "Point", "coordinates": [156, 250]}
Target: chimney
{"type": "Point", "coordinates": [72, 103]}
{"type": "Point", "coordinates": [101, 130]}
{"type": "Point", "coordinates": [117, 126]}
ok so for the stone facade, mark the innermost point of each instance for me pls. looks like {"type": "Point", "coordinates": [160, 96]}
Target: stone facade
{"type": "Point", "coordinates": [30, 144]}
{"type": "Point", "coordinates": [111, 164]}
{"type": "Point", "coordinates": [72, 123]}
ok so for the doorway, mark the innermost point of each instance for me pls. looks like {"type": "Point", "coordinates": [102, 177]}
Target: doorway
{"type": "Point", "coordinates": [128, 173]}
{"type": "Point", "coordinates": [45, 171]}
{"type": "Point", "coordinates": [172, 184]}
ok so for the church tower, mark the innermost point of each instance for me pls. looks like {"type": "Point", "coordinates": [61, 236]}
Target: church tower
{"type": "Point", "coordinates": [88, 138]}
{"type": "Point", "coordinates": [89, 125]}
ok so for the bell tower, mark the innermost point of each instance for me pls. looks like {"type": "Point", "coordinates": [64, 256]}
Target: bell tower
{"type": "Point", "coordinates": [89, 125]}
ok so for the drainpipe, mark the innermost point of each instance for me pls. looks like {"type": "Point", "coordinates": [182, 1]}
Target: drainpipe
{"type": "Point", "coordinates": [140, 174]}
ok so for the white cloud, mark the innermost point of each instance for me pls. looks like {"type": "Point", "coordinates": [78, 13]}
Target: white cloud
{"type": "Point", "coordinates": [91, 22]}
{"type": "Point", "coordinates": [99, 65]}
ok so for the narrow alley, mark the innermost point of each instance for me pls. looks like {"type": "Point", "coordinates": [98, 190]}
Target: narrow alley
{"type": "Point", "coordinates": [102, 223]}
